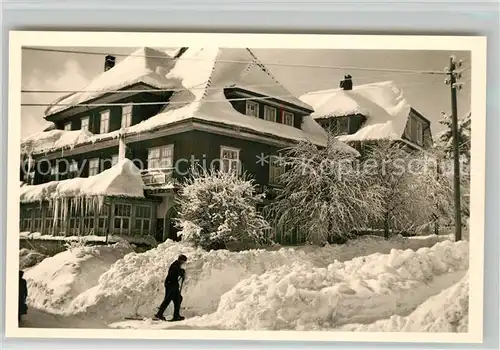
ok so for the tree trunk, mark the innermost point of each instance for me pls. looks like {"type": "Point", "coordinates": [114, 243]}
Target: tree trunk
{"type": "Point", "coordinates": [386, 225]}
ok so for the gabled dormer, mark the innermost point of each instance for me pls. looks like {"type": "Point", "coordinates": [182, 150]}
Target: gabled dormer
{"type": "Point", "coordinates": [257, 105]}
{"type": "Point", "coordinates": [369, 112]}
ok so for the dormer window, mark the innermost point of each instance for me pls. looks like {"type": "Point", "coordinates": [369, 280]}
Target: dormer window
{"type": "Point", "coordinates": [85, 123]}
{"type": "Point", "coordinates": [270, 113]}
{"type": "Point", "coordinates": [252, 108]}
{"type": "Point", "coordinates": [420, 133]}
{"type": "Point", "coordinates": [104, 125]}
{"type": "Point", "coordinates": [126, 116]}
{"type": "Point", "coordinates": [288, 118]}
{"type": "Point", "coordinates": [67, 126]}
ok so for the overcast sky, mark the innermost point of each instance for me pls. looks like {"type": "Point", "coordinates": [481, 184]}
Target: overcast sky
{"type": "Point", "coordinates": [426, 93]}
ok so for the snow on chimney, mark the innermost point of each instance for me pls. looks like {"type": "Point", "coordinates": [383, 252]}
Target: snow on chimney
{"type": "Point", "coordinates": [346, 84]}
{"type": "Point", "coordinates": [109, 62]}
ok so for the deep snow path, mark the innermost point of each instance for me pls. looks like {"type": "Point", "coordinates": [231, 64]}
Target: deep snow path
{"type": "Point", "coordinates": [377, 308]}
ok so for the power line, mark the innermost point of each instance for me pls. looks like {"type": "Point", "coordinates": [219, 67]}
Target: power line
{"type": "Point", "coordinates": [197, 87]}
{"type": "Point", "coordinates": [193, 101]}
{"type": "Point", "coordinates": [430, 72]}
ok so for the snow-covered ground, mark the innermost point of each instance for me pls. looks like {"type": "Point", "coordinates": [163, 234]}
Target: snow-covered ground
{"type": "Point", "coordinates": [57, 280]}
{"type": "Point", "coordinates": [359, 285]}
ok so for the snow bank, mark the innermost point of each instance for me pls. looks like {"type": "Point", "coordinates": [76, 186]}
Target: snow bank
{"type": "Point", "coordinates": [382, 103]}
{"type": "Point", "coordinates": [123, 179]}
{"type": "Point", "coordinates": [29, 258]}
{"type": "Point", "coordinates": [300, 296]}
{"type": "Point", "coordinates": [57, 280]}
{"type": "Point", "coordinates": [446, 312]}
{"type": "Point", "coordinates": [134, 285]}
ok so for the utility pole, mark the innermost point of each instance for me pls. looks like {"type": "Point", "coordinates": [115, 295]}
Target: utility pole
{"type": "Point", "coordinates": [452, 76]}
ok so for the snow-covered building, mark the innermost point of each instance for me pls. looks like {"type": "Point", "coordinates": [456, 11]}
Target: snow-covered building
{"type": "Point", "coordinates": [165, 112]}
{"type": "Point", "coordinates": [369, 113]}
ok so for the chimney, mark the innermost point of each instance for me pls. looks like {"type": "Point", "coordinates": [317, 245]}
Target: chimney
{"type": "Point", "coordinates": [109, 62]}
{"type": "Point", "coordinates": [346, 84]}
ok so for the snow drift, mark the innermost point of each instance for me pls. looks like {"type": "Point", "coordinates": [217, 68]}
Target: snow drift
{"type": "Point", "coordinates": [47, 140]}
{"type": "Point", "coordinates": [300, 296]}
{"type": "Point", "coordinates": [446, 312]}
{"type": "Point", "coordinates": [57, 280]}
{"type": "Point", "coordinates": [29, 258]}
{"type": "Point", "coordinates": [134, 285]}
{"type": "Point", "coordinates": [123, 179]}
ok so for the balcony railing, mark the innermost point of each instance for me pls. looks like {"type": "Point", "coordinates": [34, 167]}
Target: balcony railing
{"type": "Point", "coordinates": [158, 176]}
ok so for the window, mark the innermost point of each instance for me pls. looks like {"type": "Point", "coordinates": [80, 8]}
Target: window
{"type": "Point", "coordinates": [74, 217]}
{"type": "Point", "coordinates": [230, 160]}
{"type": "Point", "coordinates": [126, 116]}
{"type": "Point", "coordinates": [420, 133]}
{"type": "Point", "coordinates": [142, 219]}
{"type": "Point", "coordinates": [114, 159]}
{"type": "Point", "coordinates": [270, 113]}
{"type": "Point", "coordinates": [67, 126]}
{"type": "Point", "coordinates": [288, 118]}
{"type": "Point", "coordinates": [104, 126]}
{"type": "Point", "coordinates": [102, 221]}
{"type": "Point", "coordinates": [338, 126]}
{"type": "Point", "coordinates": [276, 169]}
{"type": "Point", "coordinates": [25, 224]}
{"type": "Point", "coordinates": [408, 129]}
{"type": "Point", "coordinates": [161, 157]}
{"type": "Point", "coordinates": [122, 218]}
{"type": "Point", "coordinates": [37, 226]}
{"type": "Point", "coordinates": [85, 123]}
{"type": "Point", "coordinates": [252, 108]}
{"type": "Point", "coordinates": [93, 166]}
{"type": "Point", "coordinates": [49, 218]}
{"type": "Point", "coordinates": [73, 169]}
{"type": "Point", "coordinates": [54, 171]}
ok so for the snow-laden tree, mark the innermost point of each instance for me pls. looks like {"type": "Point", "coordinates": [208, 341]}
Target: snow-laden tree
{"type": "Point", "coordinates": [325, 196]}
{"type": "Point", "coordinates": [413, 194]}
{"type": "Point", "coordinates": [443, 148]}
{"type": "Point", "coordinates": [217, 208]}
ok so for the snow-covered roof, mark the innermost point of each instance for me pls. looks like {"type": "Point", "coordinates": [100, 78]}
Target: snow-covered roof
{"type": "Point", "coordinates": [383, 105]}
{"type": "Point", "coordinates": [47, 140]}
{"type": "Point", "coordinates": [205, 72]}
{"type": "Point", "coordinates": [199, 78]}
{"type": "Point", "coordinates": [122, 180]}
{"type": "Point", "coordinates": [146, 65]}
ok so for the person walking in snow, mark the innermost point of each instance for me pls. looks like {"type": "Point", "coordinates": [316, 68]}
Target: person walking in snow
{"type": "Point", "coordinates": [23, 295]}
{"type": "Point", "coordinates": [173, 289]}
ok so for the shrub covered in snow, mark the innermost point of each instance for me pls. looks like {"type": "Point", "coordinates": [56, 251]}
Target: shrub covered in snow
{"type": "Point", "coordinates": [29, 258]}
{"type": "Point", "coordinates": [324, 196]}
{"type": "Point", "coordinates": [216, 208]}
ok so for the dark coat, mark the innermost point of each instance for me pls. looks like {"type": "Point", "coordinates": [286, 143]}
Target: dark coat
{"type": "Point", "coordinates": [23, 294]}
{"type": "Point", "coordinates": [175, 272]}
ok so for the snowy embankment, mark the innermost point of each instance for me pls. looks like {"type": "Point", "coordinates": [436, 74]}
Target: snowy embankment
{"type": "Point", "coordinates": [57, 280]}
{"type": "Point", "coordinates": [134, 285]}
{"type": "Point", "coordinates": [29, 258]}
{"type": "Point", "coordinates": [446, 312]}
{"type": "Point", "coordinates": [300, 296]}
